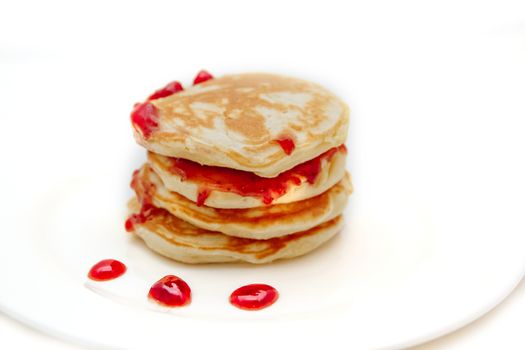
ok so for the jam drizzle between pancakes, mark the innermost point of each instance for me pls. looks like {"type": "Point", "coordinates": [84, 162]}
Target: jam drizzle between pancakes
{"type": "Point", "coordinates": [287, 144]}
{"type": "Point", "coordinates": [147, 209]}
{"type": "Point", "coordinates": [213, 178]}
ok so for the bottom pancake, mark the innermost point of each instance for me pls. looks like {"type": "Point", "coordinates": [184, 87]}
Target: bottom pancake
{"type": "Point", "coordinates": [178, 240]}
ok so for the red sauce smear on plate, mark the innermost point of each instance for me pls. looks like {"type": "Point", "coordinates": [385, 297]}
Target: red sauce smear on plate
{"type": "Point", "coordinates": [246, 183]}
{"type": "Point", "coordinates": [254, 297]}
{"type": "Point", "coordinates": [106, 270]}
{"type": "Point", "coordinates": [170, 291]}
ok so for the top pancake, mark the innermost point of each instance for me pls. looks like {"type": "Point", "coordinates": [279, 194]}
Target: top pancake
{"type": "Point", "coordinates": [235, 121]}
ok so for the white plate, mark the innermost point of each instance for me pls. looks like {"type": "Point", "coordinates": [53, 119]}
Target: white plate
{"type": "Point", "coordinates": [402, 271]}
{"type": "Point", "coordinates": [434, 232]}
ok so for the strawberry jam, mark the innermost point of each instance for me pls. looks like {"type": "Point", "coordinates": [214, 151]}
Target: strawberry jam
{"type": "Point", "coordinates": [287, 145]}
{"type": "Point", "coordinates": [202, 196]}
{"type": "Point", "coordinates": [145, 117]}
{"type": "Point", "coordinates": [106, 270]}
{"type": "Point", "coordinates": [147, 211]}
{"type": "Point", "coordinates": [166, 91]}
{"type": "Point", "coordinates": [245, 183]}
{"type": "Point", "coordinates": [201, 77]}
{"type": "Point", "coordinates": [254, 296]}
{"type": "Point", "coordinates": [170, 291]}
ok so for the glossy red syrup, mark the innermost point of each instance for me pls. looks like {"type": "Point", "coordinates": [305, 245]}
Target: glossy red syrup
{"type": "Point", "coordinates": [166, 91]}
{"type": "Point", "coordinates": [287, 145]}
{"type": "Point", "coordinates": [170, 291]}
{"type": "Point", "coordinates": [202, 196]}
{"type": "Point", "coordinates": [145, 117]}
{"type": "Point", "coordinates": [201, 77]}
{"type": "Point", "coordinates": [246, 183]}
{"type": "Point", "coordinates": [254, 296]}
{"type": "Point", "coordinates": [106, 270]}
{"type": "Point", "coordinates": [129, 224]}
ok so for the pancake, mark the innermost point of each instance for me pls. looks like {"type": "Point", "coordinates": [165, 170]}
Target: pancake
{"type": "Point", "coordinates": [261, 123]}
{"type": "Point", "coordinates": [181, 241]}
{"type": "Point", "coordinates": [256, 223]}
{"type": "Point", "coordinates": [331, 170]}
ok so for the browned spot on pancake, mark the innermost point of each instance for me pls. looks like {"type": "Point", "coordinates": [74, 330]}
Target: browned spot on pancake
{"type": "Point", "coordinates": [249, 124]}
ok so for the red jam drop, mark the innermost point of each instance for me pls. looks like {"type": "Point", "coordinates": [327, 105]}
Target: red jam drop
{"type": "Point", "coordinates": [254, 296]}
{"type": "Point", "coordinates": [201, 77]}
{"type": "Point", "coordinates": [106, 270]}
{"type": "Point", "coordinates": [145, 117]}
{"type": "Point", "coordinates": [129, 225]}
{"type": "Point", "coordinates": [202, 196]}
{"type": "Point", "coordinates": [246, 183]}
{"type": "Point", "coordinates": [287, 145]}
{"type": "Point", "coordinates": [167, 90]}
{"type": "Point", "coordinates": [170, 291]}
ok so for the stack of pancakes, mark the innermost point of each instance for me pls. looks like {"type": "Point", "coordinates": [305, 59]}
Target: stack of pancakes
{"type": "Point", "coordinates": [247, 167]}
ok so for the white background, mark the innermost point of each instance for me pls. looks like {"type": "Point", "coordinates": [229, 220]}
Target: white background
{"type": "Point", "coordinates": [442, 47]}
